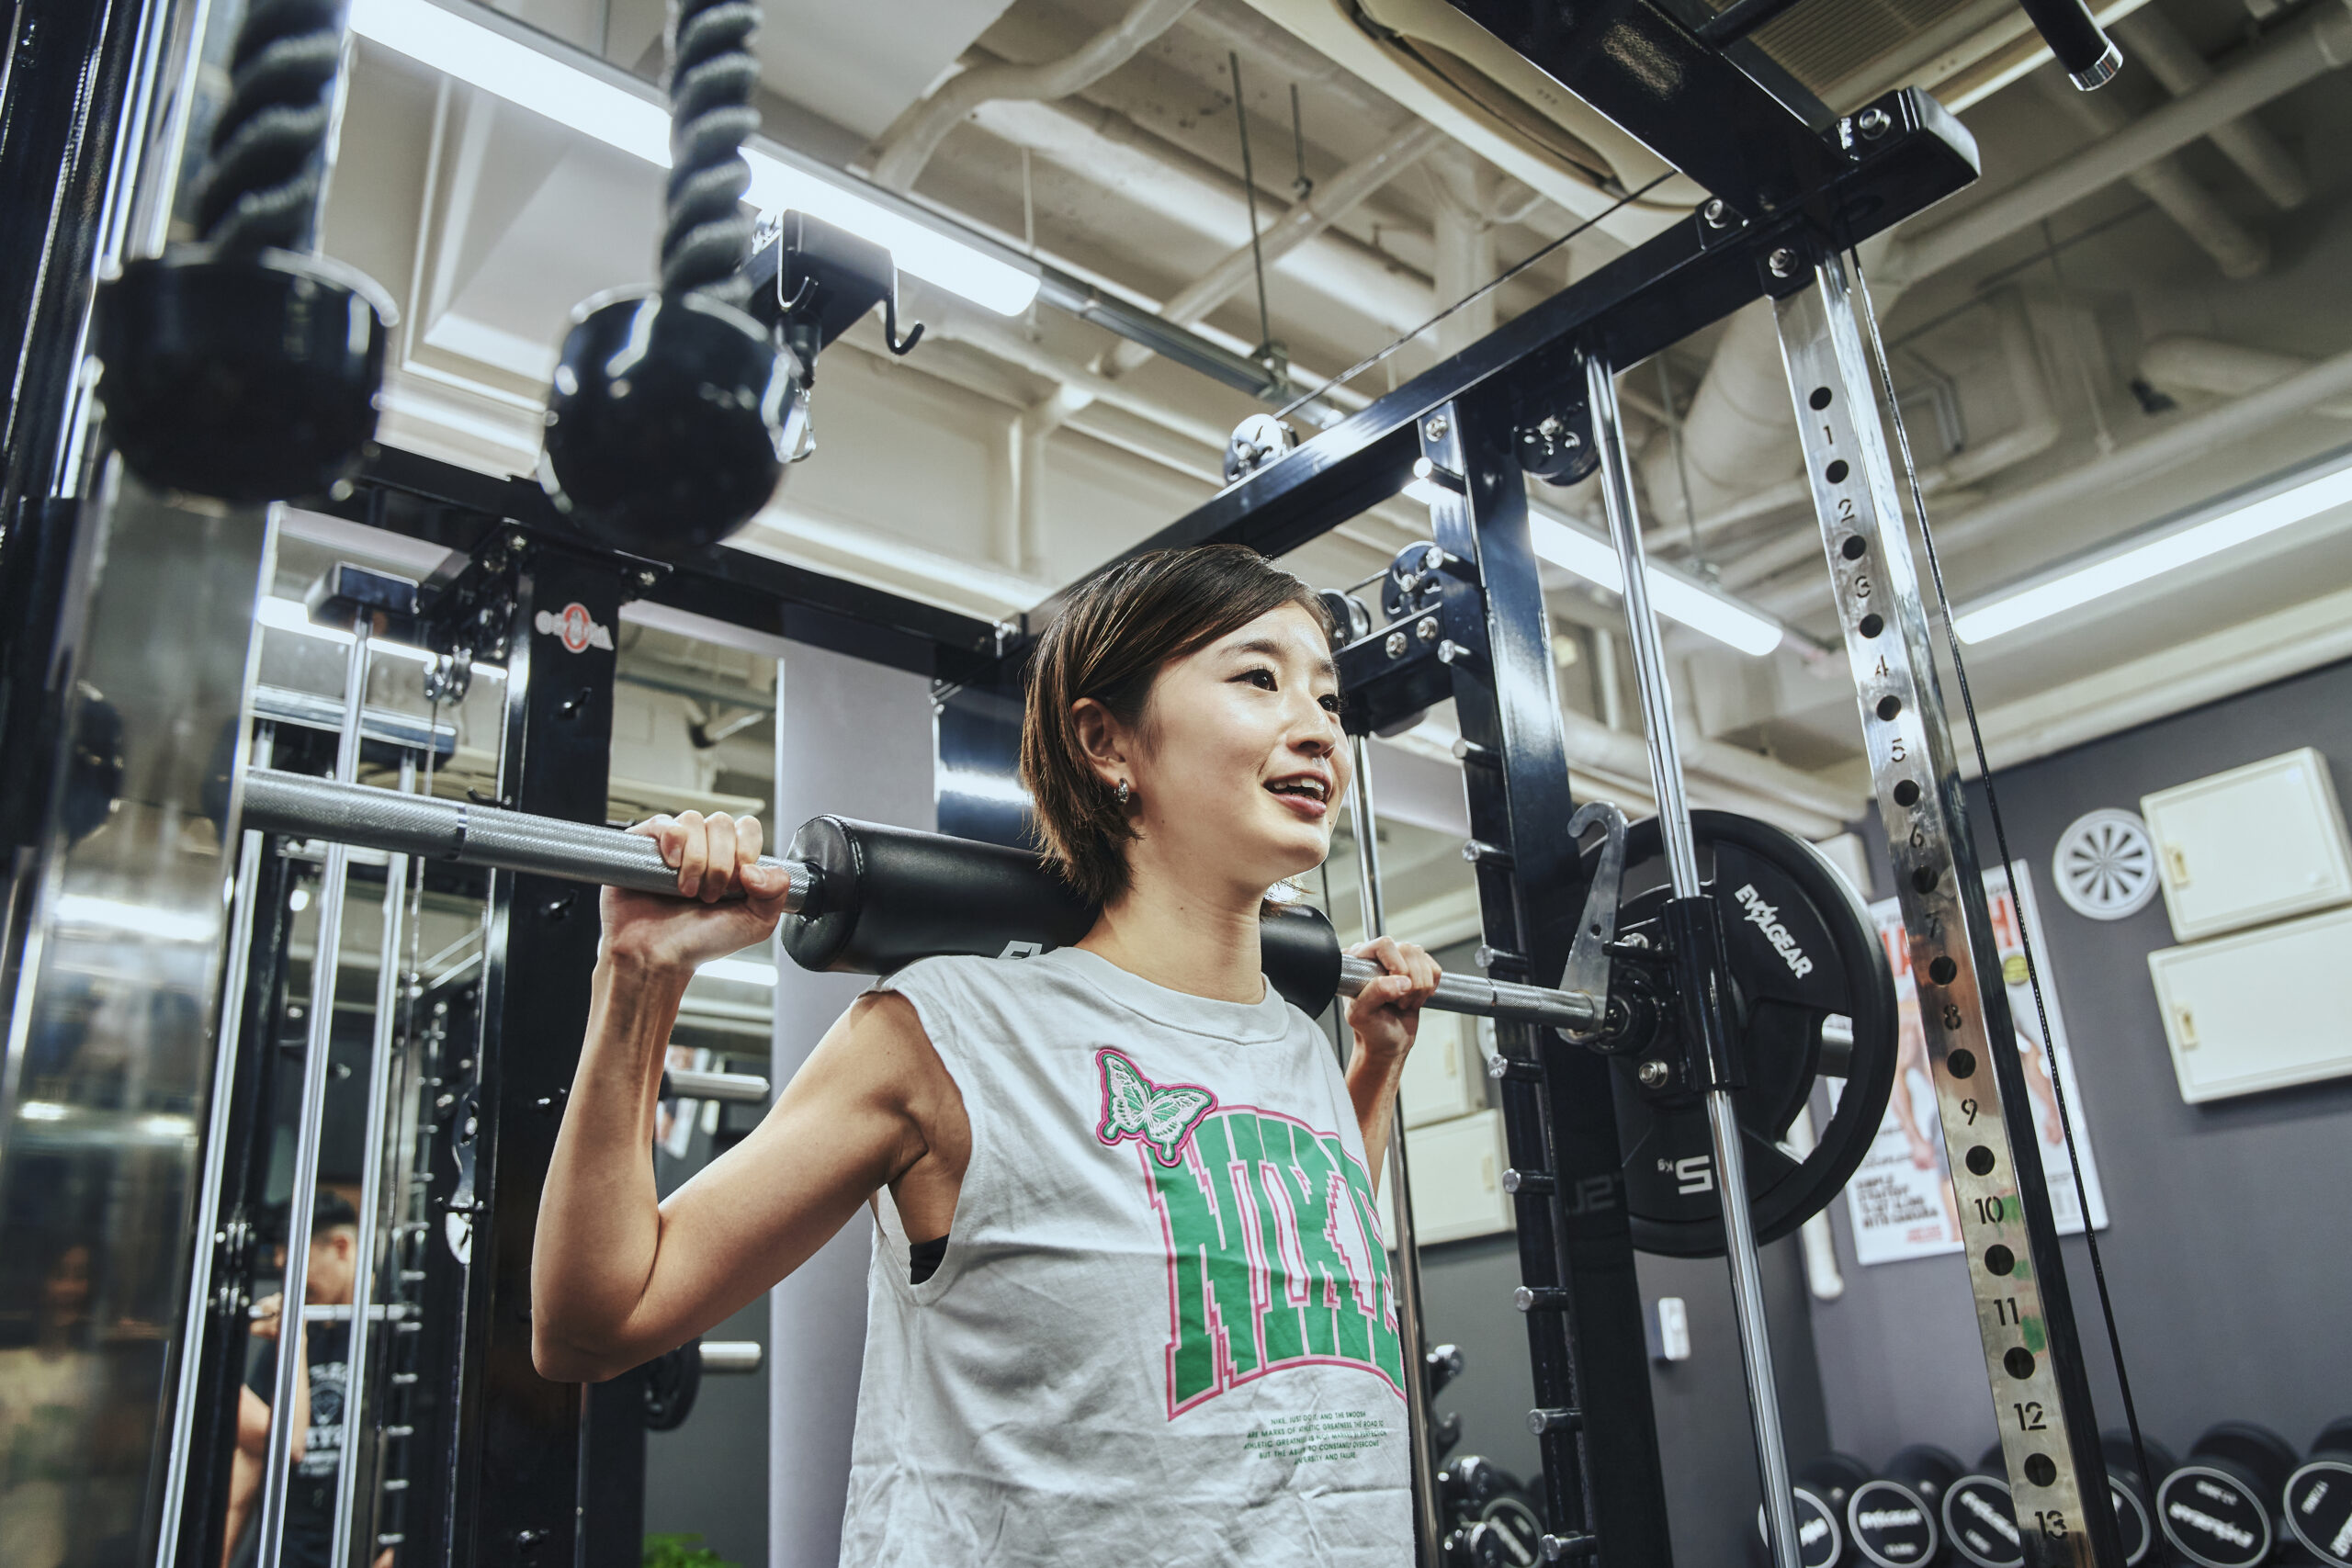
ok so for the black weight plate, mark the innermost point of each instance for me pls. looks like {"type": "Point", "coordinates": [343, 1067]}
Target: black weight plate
{"type": "Point", "coordinates": [1798, 948]}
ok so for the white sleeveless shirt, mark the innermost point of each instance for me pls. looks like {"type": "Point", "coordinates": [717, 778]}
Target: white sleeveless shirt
{"type": "Point", "coordinates": [1164, 1329]}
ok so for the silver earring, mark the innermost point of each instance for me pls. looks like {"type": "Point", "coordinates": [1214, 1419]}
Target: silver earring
{"type": "Point", "coordinates": [1125, 791]}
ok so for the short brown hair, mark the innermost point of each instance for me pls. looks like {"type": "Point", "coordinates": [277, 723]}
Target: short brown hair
{"type": "Point", "coordinates": [1115, 631]}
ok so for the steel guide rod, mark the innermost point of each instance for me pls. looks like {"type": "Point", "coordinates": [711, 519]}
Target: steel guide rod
{"type": "Point", "coordinates": [2032, 1355]}
{"type": "Point", "coordinates": [208, 1202]}
{"type": "Point", "coordinates": [292, 1346]}
{"type": "Point", "coordinates": [1420, 1447]}
{"type": "Point", "coordinates": [383, 1042]}
{"type": "Point", "coordinates": [1682, 862]}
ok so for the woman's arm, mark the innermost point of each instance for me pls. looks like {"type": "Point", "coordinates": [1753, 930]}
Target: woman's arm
{"type": "Point", "coordinates": [1385, 1016]}
{"type": "Point", "coordinates": [619, 1276]}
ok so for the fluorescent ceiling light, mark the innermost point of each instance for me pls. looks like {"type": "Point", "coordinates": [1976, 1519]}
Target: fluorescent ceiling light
{"type": "Point", "coordinates": [743, 971]}
{"type": "Point", "coordinates": [2138, 560]}
{"type": "Point", "coordinates": [484, 57]}
{"type": "Point", "coordinates": [1672, 595]}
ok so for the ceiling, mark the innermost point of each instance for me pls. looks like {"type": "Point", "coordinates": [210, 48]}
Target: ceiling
{"type": "Point", "coordinates": [2066, 381]}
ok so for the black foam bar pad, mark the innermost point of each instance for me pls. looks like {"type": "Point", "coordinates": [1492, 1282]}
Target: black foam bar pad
{"type": "Point", "coordinates": [888, 896]}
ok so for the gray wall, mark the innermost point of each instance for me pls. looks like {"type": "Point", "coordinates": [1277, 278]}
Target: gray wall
{"type": "Point", "coordinates": [2230, 1245]}
{"type": "Point", "coordinates": [1701, 1404]}
{"type": "Point", "coordinates": [868, 754]}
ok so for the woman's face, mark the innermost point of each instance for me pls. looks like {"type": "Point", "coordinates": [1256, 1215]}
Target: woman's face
{"type": "Point", "coordinates": [1240, 763]}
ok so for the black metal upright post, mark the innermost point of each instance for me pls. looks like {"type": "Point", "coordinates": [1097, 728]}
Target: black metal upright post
{"type": "Point", "coordinates": [1604, 1493]}
{"type": "Point", "coordinates": [534, 1458]}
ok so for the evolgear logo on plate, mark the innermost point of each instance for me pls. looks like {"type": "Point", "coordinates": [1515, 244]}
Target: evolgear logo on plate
{"type": "Point", "coordinates": [577, 629]}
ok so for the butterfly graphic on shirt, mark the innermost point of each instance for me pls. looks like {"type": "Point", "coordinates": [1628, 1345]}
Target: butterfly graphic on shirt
{"type": "Point", "coordinates": [1162, 1115]}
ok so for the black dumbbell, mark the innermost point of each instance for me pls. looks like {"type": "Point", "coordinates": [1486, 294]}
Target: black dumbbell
{"type": "Point", "coordinates": [1506, 1533]}
{"type": "Point", "coordinates": [2220, 1509]}
{"type": "Point", "coordinates": [2319, 1497]}
{"type": "Point", "coordinates": [2134, 1492]}
{"type": "Point", "coordinates": [1979, 1518]}
{"type": "Point", "coordinates": [1893, 1518]}
{"type": "Point", "coordinates": [1822, 1489]}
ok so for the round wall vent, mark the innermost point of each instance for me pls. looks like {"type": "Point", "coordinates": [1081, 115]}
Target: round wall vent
{"type": "Point", "coordinates": [2105, 865]}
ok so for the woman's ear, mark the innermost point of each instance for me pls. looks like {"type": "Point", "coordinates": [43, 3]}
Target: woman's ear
{"type": "Point", "coordinates": [1102, 739]}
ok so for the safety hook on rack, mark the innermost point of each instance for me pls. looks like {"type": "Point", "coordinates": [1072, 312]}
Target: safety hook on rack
{"type": "Point", "coordinates": [1588, 968]}
{"type": "Point", "coordinates": [900, 346]}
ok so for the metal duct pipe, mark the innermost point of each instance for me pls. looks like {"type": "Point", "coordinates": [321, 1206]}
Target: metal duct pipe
{"type": "Point", "coordinates": [2169, 57]}
{"type": "Point", "coordinates": [1594, 745]}
{"type": "Point", "coordinates": [2179, 442]}
{"type": "Point", "coordinates": [2164, 181]}
{"type": "Point", "coordinates": [2270, 69]}
{"type": "Point", "coordinates": [1738, 433]}
{"type": "Point", "coordinates": [2204, 365]}
{"type": "Point", "coordinates": [2036, 432]}
{"type": "Point", "coordinates": [906, 147]}
{"type": "Point", "coordinates": [1720, 436]}
{"type": "Point", "coordinates": [1333, 199]}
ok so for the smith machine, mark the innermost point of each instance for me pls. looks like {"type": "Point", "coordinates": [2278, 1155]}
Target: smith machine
{"type": "Point", "coordinates": [1655, 1048]}
{"type": "Point", "coordinates": [1648, 1093]}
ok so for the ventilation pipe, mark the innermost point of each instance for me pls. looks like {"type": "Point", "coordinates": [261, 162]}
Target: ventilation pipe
{"type": "Point", "coordinates": [2158, 44]}
{"type": "Point", "coordinates": [1333, 199]}
{"type": "Point", "coordinates": [907, 146]}
{"type": "Point", "coordinates": [1739, 434]}
{"type": "Point", "coordinates": [2277, 66]}
{"type": "Point", "coordinates": [1722, 437]}
{"type": "Point", "coordinates": [1467, 190]}
{"type": "Point", "coordinates": [2185, 441]}
{"type": "Point", "coordinates": [2164, 181]}
{"type": "Point", "coordinates": [2035, 432]}
{"type": "Point", "coordinates": [2202, 365]}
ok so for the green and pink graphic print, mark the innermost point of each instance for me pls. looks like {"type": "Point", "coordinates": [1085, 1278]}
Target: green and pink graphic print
{"type": "Point", "coordinates": [1274, 1259]}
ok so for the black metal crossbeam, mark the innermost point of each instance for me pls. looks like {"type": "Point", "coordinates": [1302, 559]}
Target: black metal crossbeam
{"type": "Point", "coordinates": [1682, 281]}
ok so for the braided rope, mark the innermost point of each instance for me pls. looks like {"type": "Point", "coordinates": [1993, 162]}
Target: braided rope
{"type": "Point", "coordinates": [265, 164]}
{"type": "Point", "coordinates": [712, 77]}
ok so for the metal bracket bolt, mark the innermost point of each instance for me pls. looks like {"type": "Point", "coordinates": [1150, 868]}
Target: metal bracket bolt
{"type": "Point", "coordinates": [1873, 123]}
{"type": "Point", "coordinates": [1783, 262]}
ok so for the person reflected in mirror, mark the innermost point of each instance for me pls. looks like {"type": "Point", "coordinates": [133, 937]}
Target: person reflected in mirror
{"type": "Point", "coordinates": [47, 1389]}
{"type": "Point", "coordinates": [1128, 1288]}
{"type": "Point", "coordinates": [321, 1381]}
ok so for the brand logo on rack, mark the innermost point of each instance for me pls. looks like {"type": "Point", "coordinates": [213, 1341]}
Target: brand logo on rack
{"type": "Point", "coordinates": [1766, 917]}
{"type": "Point", "coordinates": [574, 627]}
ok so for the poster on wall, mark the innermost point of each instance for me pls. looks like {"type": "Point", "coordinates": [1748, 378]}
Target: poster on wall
{"type": "Point", "coordinates": [1901, 1200]}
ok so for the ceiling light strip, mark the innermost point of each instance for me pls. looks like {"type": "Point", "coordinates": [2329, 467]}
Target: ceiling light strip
{"type": "Point", "coordinates": [2164, 549]}
{"type": "Point", "coordinates": [487, 51]}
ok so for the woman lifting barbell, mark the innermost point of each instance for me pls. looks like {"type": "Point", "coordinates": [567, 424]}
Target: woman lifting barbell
{"type": "Point", "coordinates": [1129, 1287]}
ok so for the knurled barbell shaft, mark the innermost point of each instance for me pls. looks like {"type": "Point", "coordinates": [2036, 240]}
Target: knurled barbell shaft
{"type": "Point", "coordinates": [1482, 997]}
{"type": "Point", "coordinates": [298, 805]}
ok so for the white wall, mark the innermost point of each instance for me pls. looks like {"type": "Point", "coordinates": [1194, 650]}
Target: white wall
{"type": "Point", "coordinates": [853, 738]}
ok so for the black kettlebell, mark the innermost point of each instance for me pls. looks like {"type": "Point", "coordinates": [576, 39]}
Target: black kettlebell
{"type": "Point", "coordinates": [670, 422]}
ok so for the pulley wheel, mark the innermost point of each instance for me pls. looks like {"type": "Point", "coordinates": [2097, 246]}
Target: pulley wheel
{"type": "Point", "coordinates": [1799, 950]}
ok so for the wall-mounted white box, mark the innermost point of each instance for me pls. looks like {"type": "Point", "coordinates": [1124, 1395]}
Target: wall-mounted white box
{"type": "Point", "coordinates": [1444, 1076]}
{"type": "Point", "coordinates": [2258, 843]}
{"type": "Point", "coordinates": [1457, 1180]}
{"type": "Point", "coordinates": [2260, 1010]}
